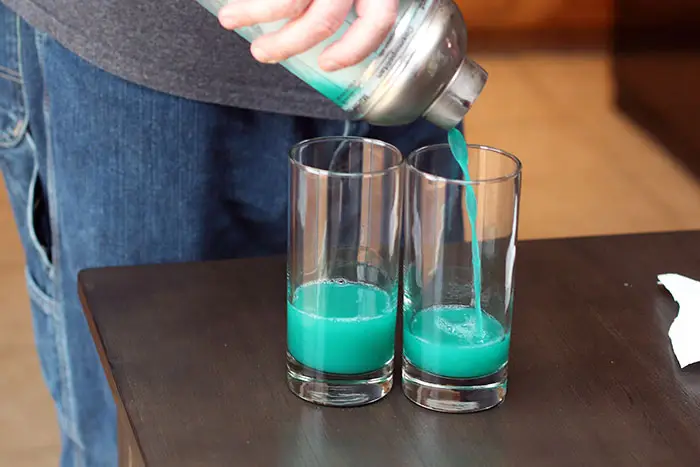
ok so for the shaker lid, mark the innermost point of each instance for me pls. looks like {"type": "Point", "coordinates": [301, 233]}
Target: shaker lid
{"type": "Point", "coordinates": [450, 107]}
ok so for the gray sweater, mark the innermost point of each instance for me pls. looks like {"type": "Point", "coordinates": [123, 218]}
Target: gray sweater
{"type": "Point", "coordinates": [173, 46]}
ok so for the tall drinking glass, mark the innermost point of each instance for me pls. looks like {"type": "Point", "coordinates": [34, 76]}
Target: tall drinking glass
{"type": "Point", "coordinates": [343, 269]}
{"type": "Point", "coordinates": [458, 277]}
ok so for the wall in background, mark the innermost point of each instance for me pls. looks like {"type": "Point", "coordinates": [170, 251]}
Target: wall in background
{"type": "Point", "coordinates": [528, 24]}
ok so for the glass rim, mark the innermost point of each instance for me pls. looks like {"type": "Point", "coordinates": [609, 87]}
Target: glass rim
{"type": "Point", "coordinates": [484, 181]}
{"type": "Point", "coordinates": [331, 173]}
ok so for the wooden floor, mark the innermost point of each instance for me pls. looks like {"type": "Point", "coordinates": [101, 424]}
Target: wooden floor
{"type": "Point", "coordinates": [587, 171]}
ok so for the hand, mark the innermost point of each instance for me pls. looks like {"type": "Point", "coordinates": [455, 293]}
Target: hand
{"type": "Point", "coordinates": [312, 21]}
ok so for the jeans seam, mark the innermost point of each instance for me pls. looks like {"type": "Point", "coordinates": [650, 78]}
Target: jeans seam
{"type": "Point", "coordinates": [61, 340]}
{"type": "Point", "coordinates": [48, 267]}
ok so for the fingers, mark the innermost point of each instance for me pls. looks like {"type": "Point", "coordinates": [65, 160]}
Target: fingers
{"type": "Point", "coordinates": [320, 21]}
{"type": "Point", "coordinates": [241, 13]}
{"type": "Point", "coordinates": [313, 21]}
{"type": "Point", "coordinates": [375, 19]}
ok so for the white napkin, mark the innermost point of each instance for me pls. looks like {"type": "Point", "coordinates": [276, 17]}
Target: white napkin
{"type": "Point", "coordinates": [685, 329]}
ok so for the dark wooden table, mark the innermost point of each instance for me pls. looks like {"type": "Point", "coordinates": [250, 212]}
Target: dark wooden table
{"type": "Point", "coordinates": [195, 356]}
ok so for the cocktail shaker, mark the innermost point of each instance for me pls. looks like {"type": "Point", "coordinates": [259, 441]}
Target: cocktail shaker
{"type": "Point", "coordinates": [421, 68]}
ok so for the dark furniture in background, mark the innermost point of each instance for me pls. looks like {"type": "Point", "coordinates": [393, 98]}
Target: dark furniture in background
{"type": "Point", "coordinates": [519, 25]}
{"type": "Point", "coordinates": [195, 354]}
{"type": "Point", "coordinates": [656, 46]}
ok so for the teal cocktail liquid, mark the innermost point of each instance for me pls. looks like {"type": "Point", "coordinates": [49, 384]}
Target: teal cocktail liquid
{"type": "Point", "coordinates": [460, 152]}
{"type": "Point", "coordinates": [341, 327]}
{"type": "Point", "coordinates": [458, 341]}
{"type": "Point", "coordinates": [446, 341]}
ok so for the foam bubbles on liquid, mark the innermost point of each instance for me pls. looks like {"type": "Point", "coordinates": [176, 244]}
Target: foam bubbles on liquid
{"type": "Point", "coordinates": [465, 330]}
{"type": "Point", "coordinates": [464, 326]}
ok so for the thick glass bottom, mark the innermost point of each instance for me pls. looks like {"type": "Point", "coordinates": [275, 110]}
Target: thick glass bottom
{"type": "Point", "coordinates": [453, 395]}
{"type": "Point", "coordinates": [338, 390]}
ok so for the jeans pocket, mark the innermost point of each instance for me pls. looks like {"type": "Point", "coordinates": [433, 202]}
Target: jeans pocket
{"type": "Point", "coordinates": [29, 203]}
{"type": "Point", "coordinates": [41, 286]}
{"type": "Point", "coordinates": [43, 308]}
{"type": "Point", "coordinates": [49, 335]}
{"type": "Point", "coordinates": [52, 354]}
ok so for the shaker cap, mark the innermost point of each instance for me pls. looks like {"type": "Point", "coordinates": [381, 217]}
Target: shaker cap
{"type": "Point", "coordinates": [450, 107]}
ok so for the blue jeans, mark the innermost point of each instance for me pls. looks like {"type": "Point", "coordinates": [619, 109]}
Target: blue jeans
{"type": "Point", "coordinates": [102, 172]}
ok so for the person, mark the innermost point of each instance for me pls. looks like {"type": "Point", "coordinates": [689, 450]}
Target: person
{"type": "Point", "coordinates": [139, 132]}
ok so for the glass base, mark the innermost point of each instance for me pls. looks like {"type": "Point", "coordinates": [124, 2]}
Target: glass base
{"type": "Point", "coordinates": [338, 390]}
{"type": "Point", "coordinates": [453, 395]}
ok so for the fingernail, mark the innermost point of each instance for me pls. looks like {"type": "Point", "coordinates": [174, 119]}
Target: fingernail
{"type": "Point", "coordinates": [228, 22]}
{"type": "Point", "coordinates": [260, 55]}
{"type": "Point", "coordinates": [226, 19]}
{"type": "Point", "coordinates": [329, 65]}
